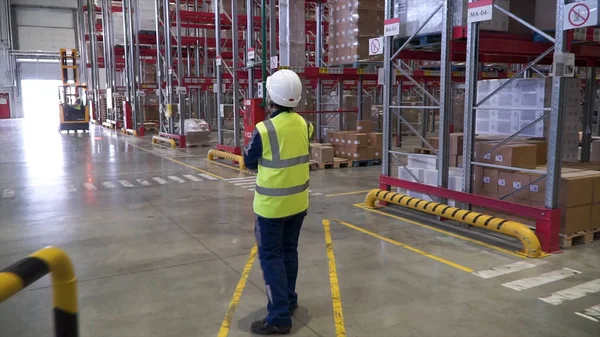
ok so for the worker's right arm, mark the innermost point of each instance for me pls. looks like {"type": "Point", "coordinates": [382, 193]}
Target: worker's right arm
{"type": "Point", "coordinates": [253, 151]}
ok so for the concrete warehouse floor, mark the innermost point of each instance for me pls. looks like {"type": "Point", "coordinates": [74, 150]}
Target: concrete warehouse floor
{"type": "Point", "coordinates": [159, 246]}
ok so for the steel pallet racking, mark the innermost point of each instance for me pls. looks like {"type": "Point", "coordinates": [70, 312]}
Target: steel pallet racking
{"type": "Point", "coordinates": [482, 47]}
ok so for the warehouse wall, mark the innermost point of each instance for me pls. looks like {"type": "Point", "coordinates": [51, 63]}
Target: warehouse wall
{"type": "Point", "coordinates": [47, 29]}
{"type": "Point", "coordinates": [38, 25]}
{"type": "Point", "coordinates": [47, 3]}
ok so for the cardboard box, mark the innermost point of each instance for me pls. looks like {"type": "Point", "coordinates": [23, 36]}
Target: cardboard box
{"type": "Point", "coordinates": [434, 142]}
{"type": "Point", "coordinates": [371, 152]}
{"type": "Point", "coordinates": [357, 139]}
{"type": "Point", "coordinates": [338, 151]}
{"type": "Point", "coordinates": [377, 152]}
{"type": "Point", "coordinates": [596, 194]}
{"type": "Point", "coordinates": [456, 160]}
{"type": "Point", "coordinates": [200, 137]}
{"type": "Point", "coordinates": [490, 180]}
{"type": "Point", "coordinates": [516, 155]}
{"type": "Point", "coordinates": [323, 154]}
{"type": "Point", "coordinates": [364, 126]}
{"type": "Point", "coordinates": [509, 182]}
{"type": "Point", "coordinates": [482, 147]}
{"type": "Point", "coordinates": [576, 189]}
{"type": "Point", "coordinates": [332, 137]}
{"type": "Point", "coordinates": [338, 137]}
{"type": "Point", "coordinates": [595, 154]}
{"type": "Point", "coordinates": [477, 180]}
{"type": "Point", "coordinates": [537, 191]}
{"type": "Point", "coordinates": [542, 151]}
{"type": "Point", "coordinates": [357, 153]}
{"type": "Point", "coordinates": [456, 143]}
{"type": "Point", "coordinates": [575, 219]}
{"type": "Point", "coordinates": [595, 219]}
{"type": "Point", "coordinates": [376, 139]}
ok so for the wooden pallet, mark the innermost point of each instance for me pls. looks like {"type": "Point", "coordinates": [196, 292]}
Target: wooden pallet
{"type": "Point", "coordinates": [361, 163]}
{"type": "Point", "coordinates": [337, 163]}
{"type": "Point", "coordinates": [570, 240]}
{"type": "Point", "coordinates": [423, 150]}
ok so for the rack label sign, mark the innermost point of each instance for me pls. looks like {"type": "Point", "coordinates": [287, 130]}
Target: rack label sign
{"type": "Point", "coordinates": [251, 54]}
{"type": "Point", "coordinates": [391, 27]}
{"type": "Point", "coordinates": [581, 14]}
{"type": "Point", "coordinates": [274, 62]}
{"type": "Point", "coordinates": [218, 60]}
{"type": "Point", "coordinates": [481, 10]}
{"type": "Point", "coordinates": [376, 46]}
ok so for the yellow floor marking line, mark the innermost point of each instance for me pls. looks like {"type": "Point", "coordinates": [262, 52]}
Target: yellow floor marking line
{"type": "Point", "coordinates": [180, 163]}
{"type": "Point", "coordinates": [347, 193]}
{"type": "Point", "coordinates": [336, 300]}
{"type": "Point", "coordinates": [405, 246]}
{"type": "Point", "coordinates": [458, 236]}
{"type": "Point", "coordinates": [235, 300]}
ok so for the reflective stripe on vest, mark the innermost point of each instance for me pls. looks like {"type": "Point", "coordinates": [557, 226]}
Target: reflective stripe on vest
{"type": "Point", "coordinates": [282, 192]}
{"type": "Point", "coordinates": [276, 161]}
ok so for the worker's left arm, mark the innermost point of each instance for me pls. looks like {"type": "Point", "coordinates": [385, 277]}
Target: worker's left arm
{"type": "Point", "coordinates": [253, 151]}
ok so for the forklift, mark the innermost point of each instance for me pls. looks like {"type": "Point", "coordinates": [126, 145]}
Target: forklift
{"type": "Point", "coordinates": [73, 108]}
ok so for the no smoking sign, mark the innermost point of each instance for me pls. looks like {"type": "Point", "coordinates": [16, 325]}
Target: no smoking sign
{"type": "Point", "coordinates": [581, 14]}
{"type": "Point", "coordinates": [376, 46]}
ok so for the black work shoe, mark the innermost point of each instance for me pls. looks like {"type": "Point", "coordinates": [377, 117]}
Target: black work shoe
{"type": "Point", "coordinates": [263, 328]}
{"type": "Point", "coordinates": [293, 308]}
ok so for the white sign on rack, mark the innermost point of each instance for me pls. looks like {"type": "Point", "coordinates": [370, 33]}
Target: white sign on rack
{"type": "Point", "coordinates": [564, 65]}
{"type": "Point", "coordinates": [376, 46]}
{"type": "Point", "coordinates": [391, 27]}
{"type": "Point", "coordinates": [218, 60]}
{"type": "Point", "coordinates": [274, 62]}
{"type": "Point", "coordinates": [481, 10]}
{"type": "Point", "coordinates": [381, 74]}
{"type": "Point", "coordinates": [251, 54]}
{"type": "Point", "coordinates": [181, 90]}
{"type": "Point", "coordinates": [581, 14]}
{"type": "Point", "coordinates": [259, 92]}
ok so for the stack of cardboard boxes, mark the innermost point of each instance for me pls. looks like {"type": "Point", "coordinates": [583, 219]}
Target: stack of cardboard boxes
{"type": "Point", "coordinates": [361, 144]}
{"type": "Point", "coordinates": [456, 148]}
{"type": "Point", "coordinates": [352, 24]}
{"type": "Point", "coordinates": [579, 198]}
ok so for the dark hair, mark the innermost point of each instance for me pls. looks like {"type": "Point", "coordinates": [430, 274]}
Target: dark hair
{"type": "Point", "coordinates": [281, 107]}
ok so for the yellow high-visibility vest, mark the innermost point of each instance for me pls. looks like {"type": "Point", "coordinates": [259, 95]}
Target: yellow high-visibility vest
{"type": "Point", "coordinates": [283, 170]}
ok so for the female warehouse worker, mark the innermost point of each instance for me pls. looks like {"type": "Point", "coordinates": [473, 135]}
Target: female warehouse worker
{"type": "Point", "coordinates": [279, 149]}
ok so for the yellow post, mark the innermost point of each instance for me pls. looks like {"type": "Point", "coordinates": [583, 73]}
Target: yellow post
{"type": "Point", "coordinates": [64, 285]}
{"type": "Point", "coordinates": [531, 244]}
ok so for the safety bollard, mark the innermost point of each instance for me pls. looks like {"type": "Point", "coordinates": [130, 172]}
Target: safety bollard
{"type": "Point", "coordinates": [64, 285]}
{"type": "Point", "coordinates": [226, 155]}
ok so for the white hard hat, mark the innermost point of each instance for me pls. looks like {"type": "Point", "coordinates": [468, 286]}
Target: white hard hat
{"type": "Point", "coordinates": [285, 88]}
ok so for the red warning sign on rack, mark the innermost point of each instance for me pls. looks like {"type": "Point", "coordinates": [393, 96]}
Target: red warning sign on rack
{"type": "Point", "coordinates": [376, 46]}
{"type": "Point", "coordinates": [581, 14]}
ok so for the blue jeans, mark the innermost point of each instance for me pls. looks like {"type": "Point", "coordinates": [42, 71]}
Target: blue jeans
{"type": "Point", "coordinates": [277, 241]}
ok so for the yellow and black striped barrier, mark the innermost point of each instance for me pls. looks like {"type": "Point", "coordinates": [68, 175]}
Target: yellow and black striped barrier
{"type": "Point", "coordinates": [159, 139]}
{"type": "Point", "coordinates": [226, 155]}
{"type": "Point", "coordinates": [64, 285]}
{"type": "Point", "coordinates": [531, 243]}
